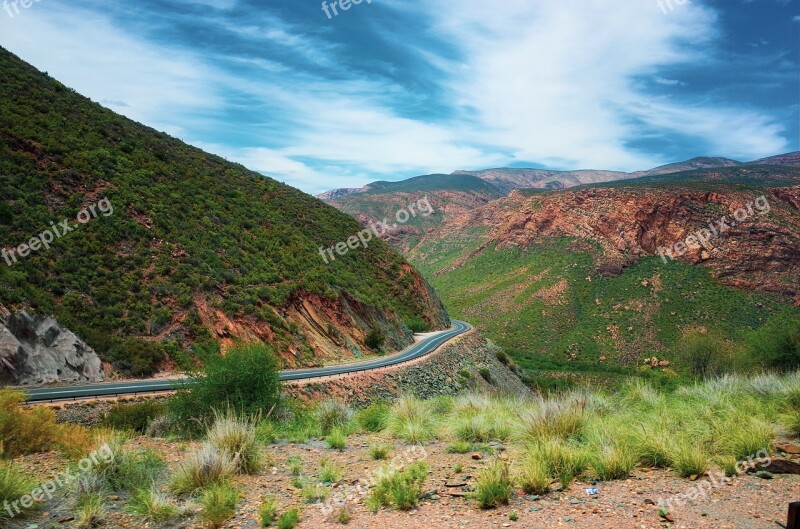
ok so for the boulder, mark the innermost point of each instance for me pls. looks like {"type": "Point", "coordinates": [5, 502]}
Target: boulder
{"type": "Point", "coordinates": [36, 350]}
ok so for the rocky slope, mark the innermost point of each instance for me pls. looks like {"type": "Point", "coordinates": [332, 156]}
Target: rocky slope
{"type": "Point", "coordinates": [189, 251]}
{"type": "Point", "coordinates": [36, 350]}
{"type": "Point", "coordinates": [464, 191]}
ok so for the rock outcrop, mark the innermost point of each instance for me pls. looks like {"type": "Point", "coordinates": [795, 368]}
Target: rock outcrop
{"type": "Point", "coordinates": [36, 350]}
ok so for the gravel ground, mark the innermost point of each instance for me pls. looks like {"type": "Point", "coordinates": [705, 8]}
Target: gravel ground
{"type": "Point", "coordinates": [746, 502]}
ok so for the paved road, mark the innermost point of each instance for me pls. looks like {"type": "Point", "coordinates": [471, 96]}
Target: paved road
{"type": "Point", "coordinates": [413, 352]}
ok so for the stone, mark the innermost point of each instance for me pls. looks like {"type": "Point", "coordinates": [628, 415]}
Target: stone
{"type": "Point", "coordinates": [36, 350]}
{"type": "Point", "coordinates": [477, 456]}
{"type": "Point", "coordinates": [788, 448]}
{"type": "Point", "coordinates": [763, 474]}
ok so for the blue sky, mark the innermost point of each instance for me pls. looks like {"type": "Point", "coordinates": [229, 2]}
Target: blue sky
{"type": "Point", "coordinates": [392, 89]}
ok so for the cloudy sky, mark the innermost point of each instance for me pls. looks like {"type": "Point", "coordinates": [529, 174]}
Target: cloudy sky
{"type": "Point", "coordinates": [396, 88]}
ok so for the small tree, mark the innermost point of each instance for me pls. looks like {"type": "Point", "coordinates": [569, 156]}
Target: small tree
{"type": "Point", "coordinates": [375, 339]}
{"type": "Point", "coordinates": [705, 354]}
{"type": "Point", "coordinates": [244, 379]}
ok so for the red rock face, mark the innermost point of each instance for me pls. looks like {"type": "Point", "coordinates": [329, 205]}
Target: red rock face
{"type": "Point", "coordinates": [760, 250]}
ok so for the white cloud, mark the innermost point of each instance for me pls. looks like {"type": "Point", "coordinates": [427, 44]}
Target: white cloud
{"type": "Point", "coordinates": [558, 82]}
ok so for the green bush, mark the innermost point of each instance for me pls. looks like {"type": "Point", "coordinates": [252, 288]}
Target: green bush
{"type": "Point", "coordinates": [219, 503]}
{"type": "Point", "coordinates": [268, 511]}
{"type": "Point", "coordinates": [398, 488]}
{"type": "Point", "coordinates": [333, 414]}
{"type": "Point", "coordinates": [374, 418]}
{"type": "Point", "coordinates": [375, 339]}
{"type": "Point", "coordinates": [493, 487]}
{"type": "Point", "coordinates": [13, 485]}
{"type": "Point", "coordinates": [289, 519]}
{"type": "Point", "coordinates": [245, 379]}
{"type": "Point", "coordinates": [133, 417]}
{"type": "Point", "coordinates": [417, 325]}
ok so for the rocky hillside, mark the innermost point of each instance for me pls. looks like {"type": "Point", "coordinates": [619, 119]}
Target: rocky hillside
{"type": "Point", "coordinates": [624, 272]}
{"type": "Point", "coordinates": [463, 191]}
{"type": "Point", "coordinates": [165, 246]}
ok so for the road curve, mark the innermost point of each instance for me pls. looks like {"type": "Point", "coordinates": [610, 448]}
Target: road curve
{"type": "Point", "coordinates": [418, 350]}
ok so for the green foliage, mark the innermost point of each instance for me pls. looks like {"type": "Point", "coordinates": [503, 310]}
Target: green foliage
{"type": "Point", "coordinates": [333, 414]}
{"type": "Point", "coordinates": [241, 241]}
{"type": "Point", "coordinates": [235, 437]}
{"type": "Point", "coordinates": [268, 511]}
{"type": "Point", "coordinates": [493, 487]}
{"type": "Point", "coordinates": [152, 505]}
{"type": "Point", "coordinates": [379, 451]}
{"type": "Point", "coordinates": [374, 418]}
{"type": "Point", "coordinates": [245, 379]}
{"type": "Point", "coordinates": [417, 325]}
{"type": "Point", "coordinates": [398, 488]}
{"type": "Point", "coordinates": [705, 354]}
{"type": "Point", "coordinates": [375, 339]}
{"type": "Point", "coordinates": [219, 503]}
{"type": "Point", "coordinates": [202, 469]}
{"type": "Point", "coordinates": [289, 519]}
{"type": "Point", "coordinates": [13, 485]}
{"type": "Point", "coordinates": [337, 439]}
{"type": "Point", "coordinates": [330, 472]}
{"type": "Point", "coordinates": [134, 417]}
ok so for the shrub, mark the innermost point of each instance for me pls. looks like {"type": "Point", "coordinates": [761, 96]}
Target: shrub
{"type": "Point", "coordinates": [333, 414]}
{"type": "Point", "coordinates": [268, 511]}
{"type": "Point", "coordinates": [688, 457]}
{"type": "Point", "coordinates": [705, 354]}
{"type": "Point", "coordinates": [330, 472]}
{"type": "Point", "coordinates": [337, 439]}
{"type": "Point", "coordinates": [613, 460]}
{"type": "Point", "coordinates": [89, 511]}
{"type": "Point", "coordinates": [459, 447]}
{"type": "Point", "coordinates": [559, 419]}
{"type": "Point", "coordinates": [295, 465]}
{"type": "Point", "coordinates": [379, 451]}
{"type": "Point", "coordinates": [208, 466]}
{"type": "Point", "coordinates": [314, 493]}
{"type": "Point", "coordinates": [289, 519]}
{"type": "Point", "coordinates": [28, 431]}
{"type": "Point", "coordinates": [266, 433]}
{"type": "Point", "coordinates": [417, 325]}
{"type": "Point", "coordinates": [513, 516]}
{"type": "Point", "coordinates": [343, 516]}
{"type": "Point", "coordinates": [503, 357]}
{"type": "Point", "coordinates": [493, 486]}
{"type": "Point", "coordinates": [374, 339]}
{"type": "Point", "coordinates": [13, 485]}
{"type": "Point", "coordinates": [236, 437]}
{"type": "Point", "coordinates": [533, 475]}
{"type": "Point", "coordinates": [135, 417]}
{"type": "Point", "coordinates": [564, 460]}
{"type": "Point", "coordinates": [219, 503]}
{"type": "Point", "coordinates": [374, 418]}
{"type": "Point", "coordinates": [486, 374]}
{"type": "Point", "coordinates": [152, 505]}
{"type": "Point", "coordinates": [245, 379]}
{"type": "Point", "coordinates": [133, 471]}
{"type": "Point", "coordinates": [411, 420]}
{"type": "Point", "coordinates": [398, 488]}
{"type": "Point", "coordinates": [161, 426]}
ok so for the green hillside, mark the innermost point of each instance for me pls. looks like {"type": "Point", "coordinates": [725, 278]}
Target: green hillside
{"type": "Point", "coordinates": [187, 227]}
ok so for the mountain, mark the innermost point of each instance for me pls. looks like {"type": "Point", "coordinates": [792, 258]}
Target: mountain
{"type": "Point", "coordinates": [175, 247]}
{"type": "Point", "coordinates": [576, 277]}
{"type": "Point", "coordinates": [463, 191]}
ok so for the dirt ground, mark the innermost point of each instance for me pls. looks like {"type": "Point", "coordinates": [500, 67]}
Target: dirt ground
{"type": "Point", "coordinates": [746, 502]}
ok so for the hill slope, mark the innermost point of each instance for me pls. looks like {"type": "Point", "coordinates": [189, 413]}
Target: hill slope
{"type": "Point", "coordinates": [197, 249]}
{"type": "Point", "coordinates": [579, 274]}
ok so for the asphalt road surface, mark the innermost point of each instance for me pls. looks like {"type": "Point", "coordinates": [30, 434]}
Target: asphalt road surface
{"type": "Point", "coordinates": [418, 350]}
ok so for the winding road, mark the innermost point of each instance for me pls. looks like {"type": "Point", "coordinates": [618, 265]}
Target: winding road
{"type": "Point", "coordinates": [413, 352]}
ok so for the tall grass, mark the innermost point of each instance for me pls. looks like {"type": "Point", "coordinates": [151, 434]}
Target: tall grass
{"type": "Point", "coordinates": [235, 436]}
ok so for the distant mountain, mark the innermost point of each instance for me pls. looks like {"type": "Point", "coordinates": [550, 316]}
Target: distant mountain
{"type": "Point", "coordinates": [196, 250]}
{"type": "Point", "coordinates": [578, 274]}
{"type": "Point", "coordinates": [463, 191]}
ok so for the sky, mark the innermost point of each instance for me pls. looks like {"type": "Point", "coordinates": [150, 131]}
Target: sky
{"type": "Point", "coordinates": [389, 89]}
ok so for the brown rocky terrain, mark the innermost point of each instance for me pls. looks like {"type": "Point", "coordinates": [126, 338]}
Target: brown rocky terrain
{"type": "Point", "coordinates": [761, 252]}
